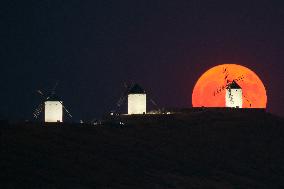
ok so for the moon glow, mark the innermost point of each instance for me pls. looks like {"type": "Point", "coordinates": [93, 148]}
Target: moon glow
{"type": "Point", "coordinates": [209, 90]}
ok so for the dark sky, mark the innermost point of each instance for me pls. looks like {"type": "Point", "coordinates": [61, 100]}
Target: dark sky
{"type": "Point", "coordinates": [93, 47]}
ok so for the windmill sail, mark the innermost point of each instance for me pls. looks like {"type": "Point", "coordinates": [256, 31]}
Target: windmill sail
{"type": "Point", "coordinates": [53, 107]}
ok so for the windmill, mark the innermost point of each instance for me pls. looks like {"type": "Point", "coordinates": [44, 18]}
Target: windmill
{"type": "Point", "coordinates": [234, 95]}
{"type": "Point", "coordinates": [52, 106]}
{"type": "Point", "coordinates": [136, 99]}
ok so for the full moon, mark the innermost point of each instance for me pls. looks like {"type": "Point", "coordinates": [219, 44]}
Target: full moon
{"type": "Point", "coordinates": [209, 90]}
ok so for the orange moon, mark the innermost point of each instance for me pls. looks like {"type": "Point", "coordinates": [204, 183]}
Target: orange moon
{"type": "Point", "coordinates": [209, 90]}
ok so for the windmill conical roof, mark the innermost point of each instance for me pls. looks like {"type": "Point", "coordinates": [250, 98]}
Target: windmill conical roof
{"type": "Point", "coordinates": [233, 85]}
{"type": "Point", "coordinates": [53, 98]}
{"type": "Point", "coordinates": [136, 89]}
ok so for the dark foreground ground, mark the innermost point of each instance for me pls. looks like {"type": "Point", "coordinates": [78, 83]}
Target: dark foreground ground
{"type": "Point", "coordinates": [200, 150]}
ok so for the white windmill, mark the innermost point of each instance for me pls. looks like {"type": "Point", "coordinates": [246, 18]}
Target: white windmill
{"type": "Point", "coordinates": [53, 107]}
{"type": "Point", "coordinates": [234, 94]}
{"type": "Point", "coordinates": [136, 100]}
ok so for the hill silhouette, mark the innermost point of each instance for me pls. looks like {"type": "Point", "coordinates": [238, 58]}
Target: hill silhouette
{"type": "Point", "coordinates": [191, 150]}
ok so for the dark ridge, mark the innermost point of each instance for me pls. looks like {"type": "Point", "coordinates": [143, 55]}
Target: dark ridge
{"type": "Point", "coordinates": [186, 150]}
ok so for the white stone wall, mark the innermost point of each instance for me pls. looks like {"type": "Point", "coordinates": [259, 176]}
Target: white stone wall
{"type": "Point", "coordinates": [234, 98]}
{"type": "Point", "coordinates": [136, 103]}
{"type": "Point", "coordinates": [53, 111]}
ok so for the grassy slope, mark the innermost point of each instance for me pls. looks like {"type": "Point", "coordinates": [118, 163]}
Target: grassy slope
{"type": "Point", "coordinates": [207, 150]}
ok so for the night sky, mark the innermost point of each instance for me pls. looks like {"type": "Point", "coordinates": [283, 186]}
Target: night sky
{"type": "Point", "coordinates": [93, 47]}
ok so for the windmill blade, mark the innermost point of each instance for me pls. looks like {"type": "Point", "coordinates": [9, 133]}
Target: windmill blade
{"type": "Point", "coordinates": [226, 77]}
{"type": "Point", "coordinates": [53, 89]}
{"type": "Point", "coordinates": [151, 99]}
{"type": "Point", "coordinates": [40, 92]}
{"type": "Point", "coordinates": [120, 101]}
{"type": "Point", "coordinates": [223, 87]}
{"type": "Point", "coordinates": [38, 111]}
{"type": "Point", "coordinates": [240, 78]}
{"type": "Point", "coordinates": [246, 98]}
{"type": "Point", "coordinates": [52, 93]}
{"type": "Point", "coordinates": [44, 97]}
{"type": "Point", "coordinates": [40, 107]}
{"type": "Point", "coordinates": [226, 74]}
{"type": "Point", "coordinates": [153, 102]}
{"type": "Point", "coordinates": [220, 89]}
{"type": "Point", "coordinates": [68, 113]}
{"type": "Point", "coordinates": [125, 85]}
{"type": "Point", "coordinates": [124, 94]}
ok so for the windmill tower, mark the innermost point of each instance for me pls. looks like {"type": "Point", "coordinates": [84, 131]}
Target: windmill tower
{"type": "Point", "coordinates": [52, 106]}
{"type": "Point", "coordinates": [136, 100]}
{"type": "Point", "coordinates": [53, 110]}
{"type": "Point", "coordinates": [234, 95]}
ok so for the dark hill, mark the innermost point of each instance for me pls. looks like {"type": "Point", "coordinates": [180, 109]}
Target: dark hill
{"type": "Point", "coordinates": [197, 150]}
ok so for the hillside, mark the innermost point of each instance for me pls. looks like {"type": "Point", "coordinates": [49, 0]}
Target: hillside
{"type": "Point", "coordinates": [197, 150]}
